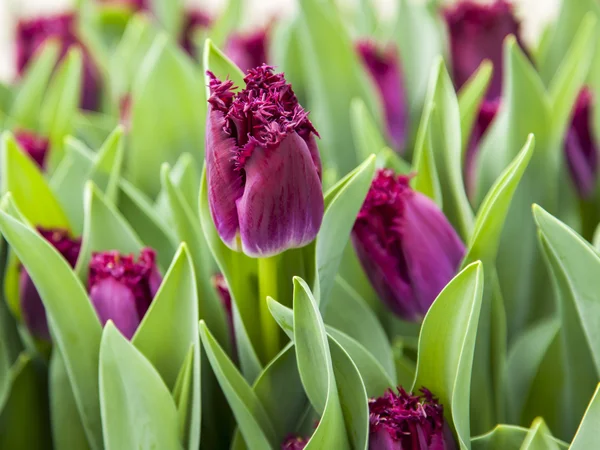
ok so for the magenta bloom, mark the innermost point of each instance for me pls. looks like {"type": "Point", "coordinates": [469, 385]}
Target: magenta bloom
{"type": "Point", "coordinates": [405, 421]}
{"type": "Point", "coordinates": [32, 307]}
{"type": "Point", "coordinates": [33, 145]}
{"type": "Point", "coordinates": [477, 32]}
{"type": "Point", "coordinates": [31, 34]}
{"type": "Point", "coordinates": [384, 68]}
{"type": "Point", "coordinates": [263, 165]}
{"type": "Point", "coordinates": [122, 289]}
{"type": "Point", "coordinates": [294, 443]}
{"type": "Point", "coordinates": [193, 21]}
{"type": "Point", "coordinates": [248, 51]}
{"type": "Point", "coordinates": [581, 147]}
{"type": "Point", "coordinates": [406, 245]}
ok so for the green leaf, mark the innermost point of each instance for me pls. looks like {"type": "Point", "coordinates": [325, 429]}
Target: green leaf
{"type": "Point", "coordinates": [23, 179]}
{"type": "Point", "coordinates": [447, 345]}
{"type": "Point", "coordinates": [238, 270]}
{"type": "Point", "coordinates": [505, 437]}
{"type": "Point", "coordinates": [227, 22]}
{"type": "Point", "coordinates": [174, 313]}
{"type": "Point", "coordinates": [170, 14]}
{"type": "Point", "coordinates": [327, 50]}
{"type": "Point", "coordinates": [342, 204]}
{"type": "Point", "coordinates": [137, 408]}
{"type": "Point", "coordinates": [587, 434]}
{"type": "Point", "coordinates": [367, 136]}
{"type": "Point", "coordinates": [183, 394]}
{"type": "Point", "coordinates": [251, 417]}
{"type": "Point", "coordinates": [75, 327]}
{"type": "Point", "coordinates": [221, 66]}
{"type": "Point", "coordinates": [152, 141]}
{"type": "Point", "coordinates": [539, 437]}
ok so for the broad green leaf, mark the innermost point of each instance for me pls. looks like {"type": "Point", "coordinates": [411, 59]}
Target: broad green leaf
{"type": "Point", "coordinates": [367, 136]}
{"type": "Point", "coordinates": [238, 270]}
{"type": "Point", "coordinates": [228, 22]}
{"type": "Point", "coordinates": [505, 437]}
{"type": "Point", "coordinates": [137, 408]}
{"type": "Point", "coordinates": [67, 429]}
{"type": "Point", "coordinates": [104, 229]}
{"type": "Point", "coordinates": [30, 192]}
{"type": "Point", "coordinates": [447, 345]}
{"type": "Point", "coordinates": [174, 313]}
{"type": "Point", "coordinates": [469, 100]}
{"type": "Point", "coordinates": [539, 437]}
{"type": "Point", "coordinates": [170, 14]}
{"type": "Point", "coordinates": [251, 417]}
{"type": "Point", "coordinates": [30, 94]}
{"type": "Point", "coordinates": [334, 78]}
{"type": "Point", "coordinates": [221, 66]}
{"type": "Point", "coordinates": [75, 327]}
{"type": "Point", "coordinates": [342, 204]}
{"type": "Point", "coordinates": [155, 140]}
{"type": "Point", "coordinates": [182, 393]}
{"type": "Point", "coordinates": [587, 434]}
{"type": "Point", "coordinates": [24, 421]}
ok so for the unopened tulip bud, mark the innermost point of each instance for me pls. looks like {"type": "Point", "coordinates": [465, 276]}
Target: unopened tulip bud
{"type": "Point", "coordinates": [33, 145]}
{"type": "Point", "coordinates": [248, 51]}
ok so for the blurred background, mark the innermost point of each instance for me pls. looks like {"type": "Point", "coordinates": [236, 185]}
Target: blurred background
{"type": "Point", "coordinates": [534, 13]}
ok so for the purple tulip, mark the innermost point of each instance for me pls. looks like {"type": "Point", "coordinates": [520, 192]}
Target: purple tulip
{"type": "Point", "coordinates": [248, 51]}
{"type": "Point", "coordinates": [33, 145]}
{"type": "Point", "coordinates": [405, 421]}
{"type": "Point", "coordinates": [294, 443]}
{"type": "Point", "coordinates": [32, 307]}
{"type": "Point", "coordinates": [263, 166]}
{"type": "Point", "coordinates": [384, 68]}
{"type": "Point", "coordinates": [32, 34]}
{"type": "Point", "coordinates": [194, 20]}
{"type": "Point", "coordinates": [477, 32]}
{"type": "Point", "coordinates": [122, 289]}
{"type": "Point", "coordinates": [406, 245]}
{"type": "Point", "coordinates": [220, 285]}
{"type": "Point", "coordinates": [581, 147]}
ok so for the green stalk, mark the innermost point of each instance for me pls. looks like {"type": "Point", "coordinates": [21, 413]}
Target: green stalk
{"type": "Point", "coordinates": [267, 287]}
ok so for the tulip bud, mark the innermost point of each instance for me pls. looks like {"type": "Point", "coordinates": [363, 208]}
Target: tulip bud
{"type": "Point", "coordinates": [33, 145]}
{"type": "Point", "coordinates": [294, 443]}
{"type": "Point", "coordinates": [262, 165]}
{"type": "Point", "coordinates": [32, 307]}
{"type": "Point", "coordinates": [384, 68]}
{"type": "Point", "coordinates": [194, 20]}
{"type": "Point", "coordinates": [477, 32]}
{"type": "Point", "coordinates": [248, 51]}
{"type": "Point", "coordinates": [406, 421]}
{"type": "Point", "coordinates": [581, 149]}
{"type": "Point", "coordinates": [122, 289]}
{"type": "Point", "coordinates": [225, 296]}
{"type": "Point", "coordinates": [406, 245]}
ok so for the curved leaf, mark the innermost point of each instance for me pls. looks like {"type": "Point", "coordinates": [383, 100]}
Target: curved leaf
{"type": "Point", "coordinates": [587, 434]}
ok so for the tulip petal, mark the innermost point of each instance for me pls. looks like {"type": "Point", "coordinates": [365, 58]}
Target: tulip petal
{"type": "Point", "coordinates": [224, 182]}
{"type": "Point", "coordinates": [115, 301]}
{"type": "Point", "coordinates": [432, 249]}
{"type": "Point", "coordinates": [282, 205]}
{"type": "Point", "coordinates": [32, 307]}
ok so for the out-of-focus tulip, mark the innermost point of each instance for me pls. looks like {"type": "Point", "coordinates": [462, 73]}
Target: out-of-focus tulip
{"type": "Point", "coordinates": [406, 245]}
{"type": "Point", "coordinates": [263, 165]}
{"type": "Point", "coordinates": [122, 289]}
{"type": "Point", "coordinates": [248, 51]}
{"type": "Point", "coordinates": [225, 296]}
{"type": "Point", "coordinates": [581, 146]}
{"type": "Point", "coordinates": [384, 68]}
{"type": "Point", "coordinates": [477, 32]}
{"type": "Point", "coordinates": [31, 34]}
{"type": "Point", "coordinates": [33, 145]}
{"type": "Point", "coordinates": [194, 20]}
{"type": "Point", "coordinates": [294, 443]}
{"type": "Point", "coordinates": [32, 308]}
{"type": "Point", "coordinates": [405, 421]}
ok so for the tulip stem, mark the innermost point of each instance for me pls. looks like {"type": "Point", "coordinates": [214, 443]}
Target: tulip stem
{"type": "Point", "coordinates": [267, 287]}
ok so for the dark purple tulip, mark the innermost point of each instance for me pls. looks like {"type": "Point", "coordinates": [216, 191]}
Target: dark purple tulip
{"type": "Point", "coordinates": [384, 68]}
{"type": "Point", "coordinates": [404, 421]}
{"type": "Point", "coordinates": [194, 20]}
{"type": "Point", "coordinates": [32, 308]}
{"type": "Point", "coordinates": [406, 245]}
{"type": "Point", "coordinates": [477, 32]}
{"type": "Point", "coordinates": [262, 165]}
{"type": "Point", "coordinates": [122, 289]}
{"type": "Point", "coordinates": [33, 145]}
{"type": "Point", "coordinates": [248, 51]}
{"type": "Point", "coordinates": [220, 285]}
{"type": "Point", "coordinates": [294, 443]}
{"type": "Point", "coordinates": [31, 34]}
{"type": "Point", "coordinates": [581, 147]}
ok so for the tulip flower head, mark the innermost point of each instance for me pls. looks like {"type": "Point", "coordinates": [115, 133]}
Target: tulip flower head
{"type": "Point", "coordinates": [32, 34]}
{"type": "Point", "coordinates": [406, 245]}
{"type": "Point", "coordinates": [405, 421]}
{"type": "Point", "coordinates": [248, 51]}
{"type": "Point", "coordinates": [384, 68]}
{"type": "Point", "coordinates": [220, 285]}
{"type": "Point", "coordinates": [581, 147]}
{"type": "Point", "coordinates": [33, 145]}
{"type": "Point", "coordinates": [477, 32]}
{"type": "Point", "coordinates": [194, 20]}
{"type": "Point", "coordinates": [122, 289]}
{"type": "Point", "coordinates": [294, 443]}
{"type": "Point", "coordinates": [32, 308]}
{"type": "Point", "coordinates": [263, 165]}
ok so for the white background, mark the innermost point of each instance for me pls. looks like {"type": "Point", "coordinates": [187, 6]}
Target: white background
{"type": "Point", "coordinates": [535, 14]}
